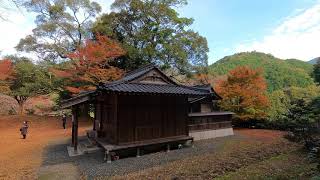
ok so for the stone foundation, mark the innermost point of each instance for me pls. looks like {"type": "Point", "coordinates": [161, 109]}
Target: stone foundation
{"type": "Point", "coordinates": [208, 134]}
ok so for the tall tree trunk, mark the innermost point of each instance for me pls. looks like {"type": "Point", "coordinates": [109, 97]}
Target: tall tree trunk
{"type": "Point", "coordinates": [21, 108]}
{"type": "Point", "coordinates": [21, 100]}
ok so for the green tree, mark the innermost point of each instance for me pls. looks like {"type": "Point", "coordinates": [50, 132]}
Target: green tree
{"type": "Point", "coordinates": [281, 100]}
{"type": "Point", "coordinates": [308, 93]}
{"type": "Point", "coordinates": [316, 71]}
{"type": "Point", "coordinates": [279, 104]}
{"type": "Point", "coordinates": [153, 32]}
{"type": "Point", "coordinates": [62, 26]}
{"type": "Point", "coordinates": [27, 80]}
{"type": "Point", "coordinates": [302, 118]}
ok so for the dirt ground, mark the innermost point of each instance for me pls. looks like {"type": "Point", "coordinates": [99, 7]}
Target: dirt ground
{"type": "Point", "coordinates": [21, 158]}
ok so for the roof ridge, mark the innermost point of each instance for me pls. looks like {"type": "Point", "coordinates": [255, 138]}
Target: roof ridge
{"type": "Point", "coordinates": [173, 85]}
{"type": "Point", "coordinates": [194, 88]}
{"type": "Point", "coordinates": [154, 88]}
{"type": "Point", "coordinates": [153, 84]}
{"type": "Point", "coordinates": [139, 69]}
{"type": "Point", "coordinates": [202, 85]}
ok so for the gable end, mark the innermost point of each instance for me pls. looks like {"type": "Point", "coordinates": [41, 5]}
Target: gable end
{"type": "Point", "coordinates": [153, 77]}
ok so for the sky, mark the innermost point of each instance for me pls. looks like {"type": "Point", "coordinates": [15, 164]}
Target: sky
{"type": "Point", "coordinates": [283, 28]}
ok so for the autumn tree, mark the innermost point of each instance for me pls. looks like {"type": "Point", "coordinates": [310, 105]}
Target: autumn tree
{"type": "Point", "coordinates": [153, 32]}
{"type": "Point", "coordinates": [24, 80]}
{"type": "Point", "coordinates": [203, 78]}
{"type": "Point", "coordinates": [61, 27]}
{"type": "Point", "coordinates": [90, 65]}
{"type": "Point", "coordinates": [6, 71]}
{"type": "Point", "coordinates": [244, 93]}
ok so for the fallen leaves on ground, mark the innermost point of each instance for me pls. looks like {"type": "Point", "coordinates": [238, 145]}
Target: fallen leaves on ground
{"type": "Point", "coordinates": [21, 159]}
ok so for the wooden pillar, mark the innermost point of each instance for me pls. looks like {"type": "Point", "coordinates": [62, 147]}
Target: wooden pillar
{"type": "Point", "coordinates": [168, 147]}
{"type": "Point", "coordinates": [138, 152]}
{"type": "Point", "coordinates": [107, 156]}
{"type": "Point", "coordinates": [72, 132]}
{"type": "Point", "coordinates": [95, 116]}
{"type": "Point", "coordinates": [75, 127]}
{"type": "Point", "coordinates": [115, 116]}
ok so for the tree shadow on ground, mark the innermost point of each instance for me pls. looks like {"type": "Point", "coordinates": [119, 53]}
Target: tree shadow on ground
{"type": "Point", "coordinates": [93, 165]}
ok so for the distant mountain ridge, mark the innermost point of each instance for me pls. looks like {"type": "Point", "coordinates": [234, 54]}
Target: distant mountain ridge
{"type": "Point", "coordinates": [279, 73]}
{"type": "Point", "coordinates": [313, 61]}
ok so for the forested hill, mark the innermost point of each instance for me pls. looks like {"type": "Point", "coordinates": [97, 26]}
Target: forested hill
{"type": "Point", "coordinates": [279, 73]}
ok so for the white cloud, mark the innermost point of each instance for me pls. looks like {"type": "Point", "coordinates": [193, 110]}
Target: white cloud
{"type": "Point", "coordinates": [297, 36]}
{"type": "Point", "coordinates": [105, 5]}
{"type": "Point", "coordinates": [19, 23]}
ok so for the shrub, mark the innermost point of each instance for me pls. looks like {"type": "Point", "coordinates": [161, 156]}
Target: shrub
{"type": "Point", "coordinates": [12, 111]}
{"type": "Point", "coordinates": [30, 111]}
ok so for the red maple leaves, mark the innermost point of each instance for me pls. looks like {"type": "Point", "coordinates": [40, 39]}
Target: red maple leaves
{"type": "Point", "coordinates": [244, 92]}
{"type": "Point", "coordinates": [90, 64]}
{"type": "Point", "coordinates": [6, 69]}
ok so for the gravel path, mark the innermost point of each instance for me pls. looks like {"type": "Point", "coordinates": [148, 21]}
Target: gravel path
{"type": "Point", "coordinates": [92, 165]}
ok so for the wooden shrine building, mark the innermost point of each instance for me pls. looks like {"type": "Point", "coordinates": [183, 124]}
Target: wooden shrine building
{"type": "Point", "coordinates": [146, 107]}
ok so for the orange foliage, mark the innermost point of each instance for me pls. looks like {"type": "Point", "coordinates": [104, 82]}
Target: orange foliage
{"type": "Point", "coordinates": [61, 73]}
{"type": "Point", "coordinates": [244, 92]}
{"type": "Point", "coordinates": [6, 69]}
{"type": "Point", "coordinates": [90, 64]}
{"type": "Point", "coordinates": [73, 90]}
{"type": "Point", "coordinates": [204, 79]}
{"type": "Point", "coordinates": [6, 75]}
{"type": "Point", "coordinates": [95, 52]}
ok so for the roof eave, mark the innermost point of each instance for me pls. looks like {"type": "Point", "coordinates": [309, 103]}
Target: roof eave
{"type": "Point", "coordinates": [76, 100]}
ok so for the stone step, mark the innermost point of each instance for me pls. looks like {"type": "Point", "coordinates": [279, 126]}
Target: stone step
{"type": "Point", "coordinates": [88, 148]}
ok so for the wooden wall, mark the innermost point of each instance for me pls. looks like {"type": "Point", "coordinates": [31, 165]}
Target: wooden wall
{"type": "Point", "coordinates": [210, 122]}
{"type": "Point", "coordinates": [151, 117]}
{"type": "Point", "coordinates": [106, 114]}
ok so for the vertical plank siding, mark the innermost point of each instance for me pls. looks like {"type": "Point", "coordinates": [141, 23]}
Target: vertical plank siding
{"type": "Point", "coordinates": [210, 122]}
{"type": "Point", "coordinates": [131, 118]}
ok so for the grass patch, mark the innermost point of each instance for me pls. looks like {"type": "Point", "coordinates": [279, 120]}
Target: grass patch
{"type": "Point", "coordinates": [292, 165]}
{"type": "Point", "coordinates": [230, 159]}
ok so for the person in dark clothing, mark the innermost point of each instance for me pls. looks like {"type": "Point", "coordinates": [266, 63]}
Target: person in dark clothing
{"type": "Point", "coordinates": [64, 121]}
{"type": "Point", "coordinates": [24, 129]}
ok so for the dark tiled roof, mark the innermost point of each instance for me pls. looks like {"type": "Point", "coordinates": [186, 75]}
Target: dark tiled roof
{"type": "Point", "coordinates": [80, 98]}
{"type": "Point", "coordinates": [138, 72]}
{"type": "Point", "coordinates": [132, 75]}
{"type": "Point", "coordinates": [154, 89]}
{"type": "Point", "coordinates": [125, 85]}
{"type": "Point", "coordinates": [210, 89]}
{"type": "Point", "coordinates": [204, 86]}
